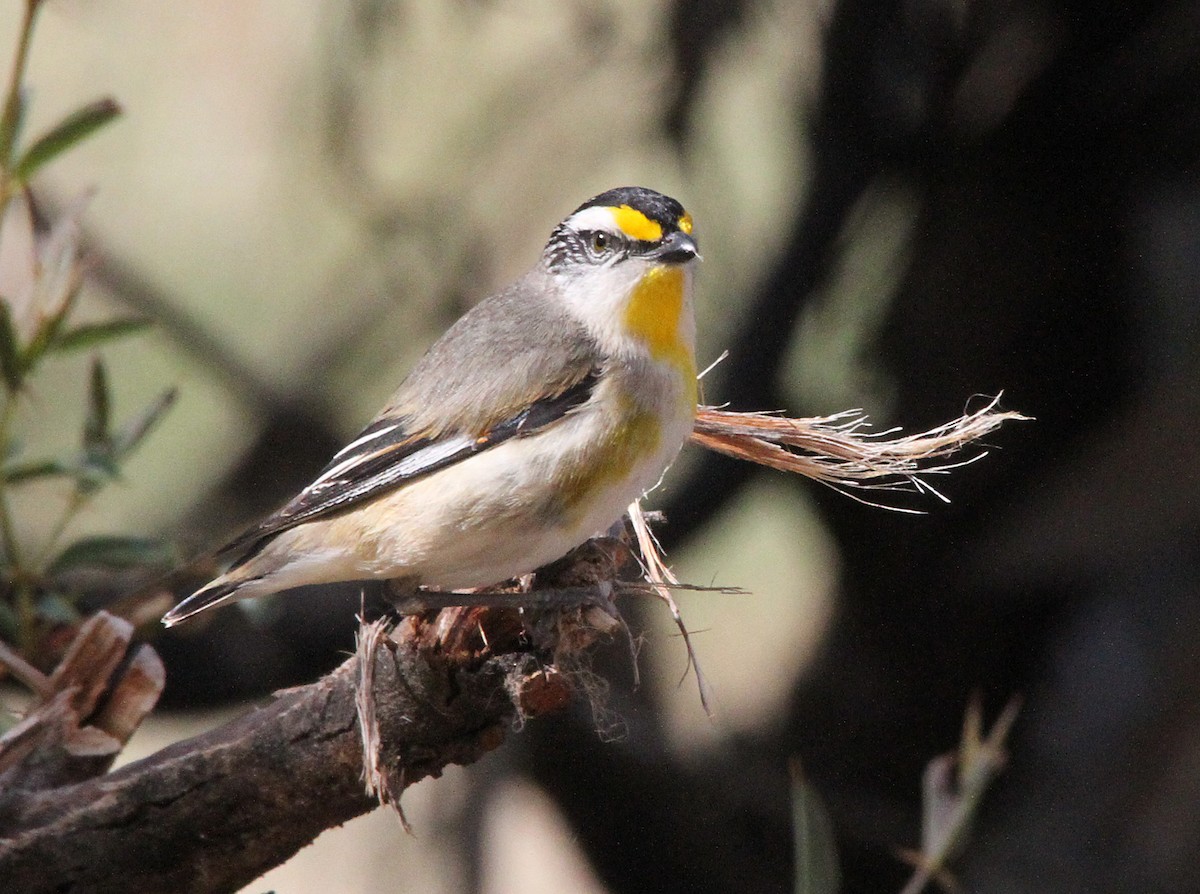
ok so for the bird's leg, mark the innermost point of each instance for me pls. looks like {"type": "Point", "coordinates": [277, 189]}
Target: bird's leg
{"type": "Point", "coordinates": [405, 596]}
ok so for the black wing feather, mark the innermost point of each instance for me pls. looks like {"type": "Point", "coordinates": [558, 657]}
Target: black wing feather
{"type": "Point", "coordinates": [385, 456]}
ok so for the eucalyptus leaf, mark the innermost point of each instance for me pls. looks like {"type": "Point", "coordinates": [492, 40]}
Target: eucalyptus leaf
{"type": "Point", "coordinates": [11, 123]}
{"type": "Point", "coordinates": [16, 473]}
{"type": "Point", "coordinates": [46, 334]}
{"type": "Point", "coordinates": [95, 470]}
{"type": "Point", "coordinates": [89, 335]}
{"type": "Point", "coordinates": [131, 434]}
{"type": "Point", "coordinates": [77, 126]}
{"type": "Point", "coordinates": [114, 553]}
{"type": "Point", "coordinates": [10, 350]}
{"type": "Point", "coordinates": [96, 441]}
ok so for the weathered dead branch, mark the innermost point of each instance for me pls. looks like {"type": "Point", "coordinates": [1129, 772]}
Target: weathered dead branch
{"type": "Point", "coordinates": [85, 711]}
{"type": "Point", "coordinates": [214, 812]}
{"type": "Point", "coordinates": [441, 688]}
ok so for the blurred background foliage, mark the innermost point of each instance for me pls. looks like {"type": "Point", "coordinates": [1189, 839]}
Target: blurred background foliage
{"type": "Point", "coordinates": [901, 204]}
{"type": "Point", "coordinates": [45, 570]}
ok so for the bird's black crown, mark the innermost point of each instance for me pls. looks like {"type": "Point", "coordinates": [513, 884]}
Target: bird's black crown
{"type": "Point", "coordinates": [661, 209]}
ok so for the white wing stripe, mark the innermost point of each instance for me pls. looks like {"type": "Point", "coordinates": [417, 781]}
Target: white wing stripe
{"type": "Point", "coordinates": [365, 438]}
{"type": "Point", "coordinates": [409, 465]}
{"type": "Point", "coordinates": [335, 472]}
{"type": "Point", "coordinates": [432, 455]}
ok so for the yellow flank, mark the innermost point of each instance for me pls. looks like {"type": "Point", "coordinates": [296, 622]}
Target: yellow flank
{"type": "Point", "coordinates": [685, 223]}
{"type": "Point", "coordinates": [608, 460]}
{"type": "Point", "coordinates": [653, 315]}
{"type": "Point", "coordinates": [636, 225]}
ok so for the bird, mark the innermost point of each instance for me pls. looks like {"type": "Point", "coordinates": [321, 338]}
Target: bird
{"type": "Point", "coordinates": [525, 430]}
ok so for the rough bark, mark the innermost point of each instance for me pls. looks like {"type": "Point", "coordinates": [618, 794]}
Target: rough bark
{"type": "Point", "coordinates": [214, 812]}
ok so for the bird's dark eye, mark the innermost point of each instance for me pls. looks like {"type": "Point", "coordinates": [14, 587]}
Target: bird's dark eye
{"type": "Point", "coordinates": [600, 242]}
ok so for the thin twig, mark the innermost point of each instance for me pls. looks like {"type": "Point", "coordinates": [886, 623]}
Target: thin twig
{"type": "Point", "coordinates": [26, 672]}
{"type": "Point", "coordinates": [12, 101]}
{"type": "Point", "coordinates": [955, 784]}
{"type": "Point", "coordinates": [661, 579]}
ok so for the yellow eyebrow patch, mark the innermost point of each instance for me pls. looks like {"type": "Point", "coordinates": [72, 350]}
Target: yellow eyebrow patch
{"type": "Point", "coordinates": [685, 223]}
{"type": "Point", "coordinates": [636, 225]}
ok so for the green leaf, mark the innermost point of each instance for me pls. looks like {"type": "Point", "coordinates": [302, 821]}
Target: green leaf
{"type": "Point", "coordinates": [11, 365]}
{"type": "Point", "coordinates": [46, 334]}
{"type": "Point", "coordinates": [96, 439]}
{"type": "Point", "coordinates": [114, 553]}
{"type": "Point", "coordinates": [98, 464]}
{"type": "Point", "coordinates": [16, 473]}
{"type": "Point", "coordinates": [127, 438]}
{"type": "Point", "coordinates": [77, 126]}
{"type": "Point", "coordinates": [817, 870]}
{"type": "Point", "coordinates": [10, 125]}
{"type": "Point", "coordinates": [94, 471]}
{"type": "Point", "coordinates": [57, 609]}
{"type": "Point", "coordinates": [91, 334]}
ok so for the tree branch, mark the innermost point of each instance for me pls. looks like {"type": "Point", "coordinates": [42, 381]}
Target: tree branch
{"type": "Point", "coordinates": [214, 812]}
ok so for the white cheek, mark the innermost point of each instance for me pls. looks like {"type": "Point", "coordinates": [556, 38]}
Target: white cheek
{"type": "Point", "coordinates": [598, 296]}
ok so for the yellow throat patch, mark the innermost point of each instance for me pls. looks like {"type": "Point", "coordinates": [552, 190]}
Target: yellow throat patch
{"type": "Point", "coordinates": [654, 315]}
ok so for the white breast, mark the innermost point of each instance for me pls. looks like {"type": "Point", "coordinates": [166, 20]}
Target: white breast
{"type": "Point", "coordinates": [507, 510]}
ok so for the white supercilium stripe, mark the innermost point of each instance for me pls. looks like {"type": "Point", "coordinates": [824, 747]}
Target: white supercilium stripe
{"type": "Point", "coordinates": [597, 217]}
